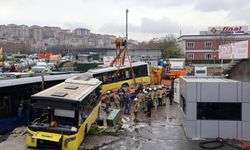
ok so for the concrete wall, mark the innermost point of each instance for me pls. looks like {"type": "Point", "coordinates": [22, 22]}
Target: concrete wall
{"type": "Point", "coordinates": [241, 72]}
{"type": "Point", "coordinates": [224, 91]}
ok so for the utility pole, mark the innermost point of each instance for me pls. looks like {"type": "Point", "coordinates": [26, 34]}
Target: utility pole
{"type": "Point", "coordinates": [126, 27]}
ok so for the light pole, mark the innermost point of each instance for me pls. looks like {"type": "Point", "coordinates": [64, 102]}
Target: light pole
{"type": "Point", "coordinates": [126, 28]}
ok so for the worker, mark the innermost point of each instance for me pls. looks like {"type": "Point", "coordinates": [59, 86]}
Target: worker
{"type": "Point", "coordinates": [140, 87]}
{"type": "Point", "coordinates": [164, 95]}
{"type": "Point", "coordinates": [136, 108]}
{"type": "Point", "coordinates": [116, 100]}
{"type": "Point", "coordinates": [127, 102]}
{"type": "Point", "coordinates": [132, 94]}
{"type": "Point", "coordinates": [16, 68]}
{"type": "Point", "coordinates": [144, 102]}
{"type": "Point", "coordinates": [118, 43]}
{"type": "Point", "coordinates": [149, 107]}
{"type": "Point", "coordinates": [153, 97]}
{"type": "Point", "coordinates": [171, 95]}
{"type": "Point", "coordinates": [121, 93]}
{"type": "Point", "coordinates": [139, 97]}
{"type": "Point", "coordinates": [159, 94]}
{"type": "Point", "coordinates": [107, 101]}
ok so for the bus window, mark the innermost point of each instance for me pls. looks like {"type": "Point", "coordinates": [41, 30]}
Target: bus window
{"type": "Point", "coordinates": [5, 106]}
{"type": "Point", "coordinates": [105, 78]}
{"type": "Point", "coordinates": [127, 74]}
{"type": "Point", "coordinates": [99, 76]}
{"type": "Point", "coordinates": [140, 71]}
{"type": "Point", "coordinates": [64, 118]}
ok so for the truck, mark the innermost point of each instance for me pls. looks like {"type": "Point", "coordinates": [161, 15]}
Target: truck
{"type": "Point", "coordinates": [175, 67]}
{"type": "Point", "coordinates": [172, 69]}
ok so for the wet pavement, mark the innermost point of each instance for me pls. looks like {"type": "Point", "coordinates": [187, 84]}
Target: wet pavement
{"type": "Point", "coordinates": [164, 131]}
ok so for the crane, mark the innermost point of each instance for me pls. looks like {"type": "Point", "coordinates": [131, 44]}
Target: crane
{"type": "Point", "coordinates": [122, 52]}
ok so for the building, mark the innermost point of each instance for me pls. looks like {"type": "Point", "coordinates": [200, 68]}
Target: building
{"type": "Point", "coordinates": [215, 107]}
{"type": "Point", "coordinates": [205, 46]}
{"type": "Point", "coordinates": [81, 32]}
{"type": "Point", "coordinates": [141, 54]}
{"type": "Point", "coordinates": [46, 37]}
{"type": "Point", "coordinates": [135, 54]}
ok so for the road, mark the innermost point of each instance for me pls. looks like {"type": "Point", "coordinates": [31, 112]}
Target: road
{"type": "Point", "coordinates": [164, 131]}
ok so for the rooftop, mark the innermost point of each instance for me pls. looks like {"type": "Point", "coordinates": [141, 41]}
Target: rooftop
{"type": "Point", "coordinates": [207, 79]}
{"type": "Point", "coordinates": [74, 89]}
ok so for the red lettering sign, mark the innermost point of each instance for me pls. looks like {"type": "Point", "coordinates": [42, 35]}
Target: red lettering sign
{"type": "Point", "coordinates": [232, 28]}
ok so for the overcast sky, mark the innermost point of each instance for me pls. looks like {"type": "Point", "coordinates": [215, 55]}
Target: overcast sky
{"type": "Point", "coordinates": [147, 18]}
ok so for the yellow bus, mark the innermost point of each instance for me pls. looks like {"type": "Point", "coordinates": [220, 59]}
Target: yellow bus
{"type": "Point", "coordinates": [117, 77]}
{"type": "Point", "coordinates": [66, 112]}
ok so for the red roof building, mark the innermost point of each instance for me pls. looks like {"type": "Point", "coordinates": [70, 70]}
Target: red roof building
{"type": "Point", "coordinates": [205, 46]}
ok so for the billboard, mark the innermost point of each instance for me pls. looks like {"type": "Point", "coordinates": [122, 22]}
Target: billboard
{"type": "Point", "coordinates": [200, 71]}
{"type": "Point", "coordinates": [228, 30]}
{"type": "Point", "coordinates": [238, 50]}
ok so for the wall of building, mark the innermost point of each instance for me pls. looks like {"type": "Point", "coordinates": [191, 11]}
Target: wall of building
{"type": "Point", "coordinates": [241, 71]}
{"type": "Point", "coordinates": [138, 54]}
{"type": "Point", "coordinates": [210, 91]}
{"type": "Point", "coordinates": [201, 55]}
{"type": "Point", "coordinates": [200, 43]}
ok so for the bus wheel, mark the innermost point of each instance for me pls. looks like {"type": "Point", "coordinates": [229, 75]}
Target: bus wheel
{"type": "Point", "coordinates": [85, 131]}
{"type": "Point", "coordinates": [125, 85]}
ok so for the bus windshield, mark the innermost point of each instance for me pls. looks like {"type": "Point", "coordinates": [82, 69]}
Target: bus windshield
{"type": "Point", "coordinates": [54, 120]}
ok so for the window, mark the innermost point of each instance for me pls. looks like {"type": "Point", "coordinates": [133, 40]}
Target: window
{"type": "Point", "coordinates": [218, 111]}
{"type": "Point", "coordinates": [208, 56]}
{"type": "Point", "coordinates": [5, 106]}
{"type": "Point", "coordinates": [190, 44]}
{"type": "Point", "coordinates": [190, 56]}
{"type": "Point", "coordinates": [122, 74]}
{"type": "Point", "coordinates": [141, 71]}
{"type": "Point", "coordinates": [90, 102]}
{"type": "Point", "coordinates": [226, 42]}
{"type": "Point", "coordinates": [208, 44]}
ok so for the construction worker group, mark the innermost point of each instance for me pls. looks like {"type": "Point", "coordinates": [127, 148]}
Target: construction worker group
{"type": "Point", "coordinates": [144, 98]}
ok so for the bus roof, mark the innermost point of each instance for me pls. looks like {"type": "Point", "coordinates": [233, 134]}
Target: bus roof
{"type": "Point", "coordinates": [107, 69]}
{"type": "Point", "coordinates": [73, 90]}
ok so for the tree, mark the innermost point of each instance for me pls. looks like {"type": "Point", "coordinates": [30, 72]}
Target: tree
{"type": "Point", "coordinates": [170, 47]}
{"type": "Point", "coordinates": [168, 44]}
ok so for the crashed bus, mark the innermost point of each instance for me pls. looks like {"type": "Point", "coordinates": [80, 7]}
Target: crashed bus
{"type": "Point", "coordinates": [66, 112]}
